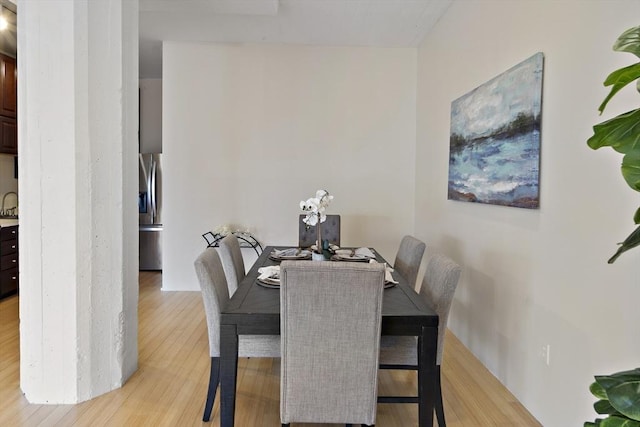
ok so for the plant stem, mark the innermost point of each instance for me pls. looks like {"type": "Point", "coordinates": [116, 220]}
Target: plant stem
{"type": "Point", "coordinates": [318, 236]}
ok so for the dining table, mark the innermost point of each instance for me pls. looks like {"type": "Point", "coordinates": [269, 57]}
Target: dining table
{"type": "Point", "coordinates": [255, 310]}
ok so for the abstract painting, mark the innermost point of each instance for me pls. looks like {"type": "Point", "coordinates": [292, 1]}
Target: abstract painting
{"type": "Point", "coordinates": [494, 151]}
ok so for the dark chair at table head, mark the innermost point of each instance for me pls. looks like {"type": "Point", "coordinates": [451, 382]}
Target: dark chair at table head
{"type": "Point", "coordinates": [330, 231]}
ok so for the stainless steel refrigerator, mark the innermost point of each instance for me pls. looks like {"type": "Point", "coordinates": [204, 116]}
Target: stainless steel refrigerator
{"type": "Point", "coordinates": [150, 211]}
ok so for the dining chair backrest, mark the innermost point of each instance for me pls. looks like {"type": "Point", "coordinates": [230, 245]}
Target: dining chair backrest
{"type": "Point", "coordinates": [409, 258]}
{"type": "Point", "coordinates": [438, 287]}
{"type": "Point", "coordinates": [330, 230]}
{"type": "Point", "coordinates": [232, 262]}
{"type": "Point", "coordinates": [330, 328]}
{"type": "Point", "coordinates": [215, 294]}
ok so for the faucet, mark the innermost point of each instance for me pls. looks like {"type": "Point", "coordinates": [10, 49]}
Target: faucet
{"type": "Point", "coordinates": [11, 211]}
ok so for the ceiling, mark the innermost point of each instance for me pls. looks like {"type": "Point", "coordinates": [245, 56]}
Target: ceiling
{"type": "Point", "coordinates": [380, 23]}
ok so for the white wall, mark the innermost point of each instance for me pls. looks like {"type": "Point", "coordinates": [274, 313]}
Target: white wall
{"type": "Point", "coordinates": [8, 182]}
{"type": "Point", "coordinates": [536, 277]}
{"type": "Point", "coordinates": [250, 131]}
{"type": "Point", "coordinates": [150, 115]}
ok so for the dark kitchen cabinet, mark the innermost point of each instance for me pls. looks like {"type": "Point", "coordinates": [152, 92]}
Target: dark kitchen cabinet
{"type": "Point", "coordinates": [8, 105]}
{"type": "Point", "coordinates": [8, 135]}
{"type": "Point", "coordinates": [8, 261]}
{"type": "Point", "coordinates": [8, 87]}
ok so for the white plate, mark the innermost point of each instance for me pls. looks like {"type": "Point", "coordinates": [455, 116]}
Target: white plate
{"type": "Point", "coordinates": [269, 283]}
{"type": "Point", "coordinates": [356, 258]}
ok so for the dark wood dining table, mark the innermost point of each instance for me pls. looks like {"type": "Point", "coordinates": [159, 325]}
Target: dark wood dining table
{"type": "Point", "coordinates": [255, 310]}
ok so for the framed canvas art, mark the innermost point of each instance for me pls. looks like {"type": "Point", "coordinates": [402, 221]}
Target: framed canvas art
{"type": "Point", "coordinates": [494, 151]}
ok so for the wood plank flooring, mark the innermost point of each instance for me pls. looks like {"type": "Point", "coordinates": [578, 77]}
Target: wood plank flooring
{"type": "Point", "coordinates": [170, 385]}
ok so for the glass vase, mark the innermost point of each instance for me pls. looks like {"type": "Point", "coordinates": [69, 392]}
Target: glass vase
{"type": "Point", "coordinates": [318, 255]}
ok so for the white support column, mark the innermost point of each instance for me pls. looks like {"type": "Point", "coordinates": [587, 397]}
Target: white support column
{"type": "Point", "coordinates": [77, 131]}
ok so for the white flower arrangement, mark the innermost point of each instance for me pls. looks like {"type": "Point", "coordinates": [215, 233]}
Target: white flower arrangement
{"type": "Point", "coordinates": [226, 229]}
{"type": "Point", "coordinates": [222, 230]}
{"type": "Point", "coordinates": [315, 208]}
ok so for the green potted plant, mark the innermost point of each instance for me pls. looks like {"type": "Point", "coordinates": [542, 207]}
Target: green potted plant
{"type": "Point", "coordinates": [619, 398]}
{"type": "Point", "coordinates": [622, 133]}
{"type": "Point", "coordinates": [619, 394]}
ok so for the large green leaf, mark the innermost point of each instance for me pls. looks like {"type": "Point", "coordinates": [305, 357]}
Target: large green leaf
{"type": "Point", "coordinates": [636, 217]}
{"type": "Point", "coordinates": [630, 242]}
{"type": "Point", "coordinates": [622, 133]}
{"type": "Point", "coordinates": [603, 407]}
{"type": "Point", "coordinates": [631, 374]}
{"type": "Point", "coordinates": [612, 380]}
{"type": "Point", "coordinates": [614, 421]}
{"type": "Point", "coordinates": [625, 398]}
{"type": "Point", "coordinates": [597, 390]}
{"type": "Point", "coordinates": [619, 79]}
{"type": "Point", "coordinates": [631, 169]}
{"type": "Point", "coordinates": [629, 41]}
{"type": "Point", "coordinates": [605, 382]}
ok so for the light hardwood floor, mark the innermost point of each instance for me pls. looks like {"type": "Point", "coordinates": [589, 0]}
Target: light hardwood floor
{"type": "Point", "coordinates": [170, 385]}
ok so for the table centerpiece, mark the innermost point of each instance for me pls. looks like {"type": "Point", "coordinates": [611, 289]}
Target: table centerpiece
{"type": "Point", "coordinates": [314, 208]}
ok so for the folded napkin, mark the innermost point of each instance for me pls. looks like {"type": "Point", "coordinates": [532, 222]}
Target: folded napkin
{"type": "Point", "coordinates": [364, 252]}
{"type": "Point", "coordinates": [286, 252]}
{"type": "Point", "coordinates": [270, 272]}
{"type": "Point", "coordinates": [356, 253]}
{"type": "Point", "coordinates": [388, 278]}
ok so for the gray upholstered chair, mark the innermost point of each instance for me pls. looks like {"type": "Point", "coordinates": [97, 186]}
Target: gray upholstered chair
{"type": "Point", "coordinates": [438, 287]}
{"type": "Point", "coordinates": [408, 259]}
{"type": "Point", "coordinates": [232, 262]}
{"type": "Point", "coordinates": [330, 231]}
{"type": "Point", "coordinates": [215, 295]}
{"type": "Point", "coordinates": [330, 317]}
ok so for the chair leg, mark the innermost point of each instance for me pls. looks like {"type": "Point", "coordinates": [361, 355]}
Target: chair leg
{"type": "Point", "coordinates": [214, 379]}
{"type": "Point", "coordinates": [439, 407]}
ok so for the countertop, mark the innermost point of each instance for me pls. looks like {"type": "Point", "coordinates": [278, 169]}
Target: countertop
{"type": "Point", "coordinates": [8, 222]}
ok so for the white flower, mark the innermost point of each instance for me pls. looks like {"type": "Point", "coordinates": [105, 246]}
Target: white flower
{"type": "Point", "coordinates": [324, 198]}
{"type": "Point", "coordinates": [311, 219]}
{"type": "Point", "coordinates": [223, 230]}
{"type": "Point", "coordinates": [311, 205]}
{"type": "Point", "coordinates": [315, 207]}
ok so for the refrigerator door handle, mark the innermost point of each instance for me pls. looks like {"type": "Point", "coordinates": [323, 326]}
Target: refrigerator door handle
{"type": "Point", "coordinates": [142, 166]}
{"type": "Point", "coordinates": [152, 190]}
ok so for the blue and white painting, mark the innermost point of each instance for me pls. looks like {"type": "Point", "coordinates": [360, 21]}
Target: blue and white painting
{"type": "Point", "coordinates": [494, 154]}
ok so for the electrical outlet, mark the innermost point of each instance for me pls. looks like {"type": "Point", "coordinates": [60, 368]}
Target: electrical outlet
{"type": "Point", "coordinates": [546, 353]}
